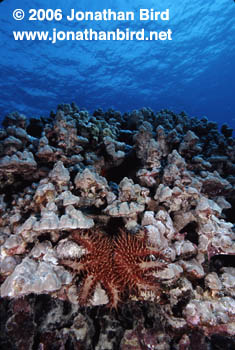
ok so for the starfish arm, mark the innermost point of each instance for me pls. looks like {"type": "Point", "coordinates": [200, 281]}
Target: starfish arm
{"type": "Point", "coordinates": [85, 240]}
{"type": "Point", "coordinates": [87, 289]}
{"type": "Point", "coordinates": [152, 265]}
{"type": "Point", "coordinates": [74, 265]}
{"type": "Point", "coordinates": [150, 251]}
{"type": "Point", "coordinates": [113, 294]}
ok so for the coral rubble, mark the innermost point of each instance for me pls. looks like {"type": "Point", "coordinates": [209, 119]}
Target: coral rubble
{"type": "Point", "coordinates": [122, 225]}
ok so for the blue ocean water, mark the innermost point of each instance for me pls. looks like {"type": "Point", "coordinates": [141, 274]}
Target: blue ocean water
{"type": "Point", "coordinates": [194, 72]}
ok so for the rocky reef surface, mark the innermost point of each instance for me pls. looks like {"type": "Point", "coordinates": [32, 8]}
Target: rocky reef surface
{"type": "Point", "coordinates": [84, 197]}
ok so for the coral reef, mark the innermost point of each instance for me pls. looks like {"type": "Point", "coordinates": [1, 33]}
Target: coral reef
{"type": "Point", "coordinates": [116, 231]}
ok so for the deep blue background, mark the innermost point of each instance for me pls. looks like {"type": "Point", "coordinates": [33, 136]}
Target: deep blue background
{"type": "Point", "coordinates": [194, 72]}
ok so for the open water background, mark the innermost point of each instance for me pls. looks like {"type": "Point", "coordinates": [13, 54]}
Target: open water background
{"type": "Point", "coordinates": [194, 72]}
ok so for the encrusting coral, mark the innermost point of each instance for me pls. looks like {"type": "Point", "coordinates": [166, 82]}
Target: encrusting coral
{"type": "Point", "coordinates": [120, 264]}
